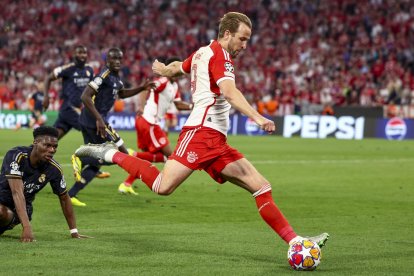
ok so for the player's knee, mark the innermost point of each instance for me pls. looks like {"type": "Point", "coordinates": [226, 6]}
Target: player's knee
{"type": "Point", "coordinates": [165, 191]}
{"type": "Point", "coordinates": [6, 215]}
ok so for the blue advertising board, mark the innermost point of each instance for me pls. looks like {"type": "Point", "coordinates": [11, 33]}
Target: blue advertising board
{"type": "Point", "coordinates": [395, 129]}
{"type": "Point", "coordinates": [344, 127]}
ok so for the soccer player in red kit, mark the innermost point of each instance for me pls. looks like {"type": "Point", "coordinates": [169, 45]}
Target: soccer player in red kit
{"type": "Point", "coordinates": [202, 143]}
{"type": "Point", "coordinates": [151, 138]}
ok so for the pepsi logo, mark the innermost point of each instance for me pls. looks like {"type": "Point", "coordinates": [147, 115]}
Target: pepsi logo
{"type": "Point", "coordinates": [396, 129]}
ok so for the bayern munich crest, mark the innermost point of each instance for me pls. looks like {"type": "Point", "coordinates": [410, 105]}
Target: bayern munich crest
{"type": "Point", "coordinates": [191, 157]}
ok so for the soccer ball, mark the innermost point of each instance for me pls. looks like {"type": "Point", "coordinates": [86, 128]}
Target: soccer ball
{"type": "Point", "coordinates": [304, 255]}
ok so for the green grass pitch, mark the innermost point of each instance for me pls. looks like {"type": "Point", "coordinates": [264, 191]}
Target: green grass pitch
{"type": "Point", "coordinates": [361, 192]}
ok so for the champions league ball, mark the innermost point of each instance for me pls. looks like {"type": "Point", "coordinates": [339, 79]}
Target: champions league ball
{"type": "Point", "coordinates": [304, 255]}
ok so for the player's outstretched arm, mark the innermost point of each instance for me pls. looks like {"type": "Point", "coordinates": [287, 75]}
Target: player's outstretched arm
{"type": "Point", "coordinates": [142, 101]}
{"type": "Point", "coordinates": [182, 105]}
{"type": "Point", "coordinates": [46, 85]}
{"type": "Point", "coordinates": [171, 70]}
{"type": "Point", "coordinates": [146, 85]}
{"type": "Point", "coordinates": [239, 102]}
{"type": "Point", "coordinates": [67, 209]}
{"type": "Point", "coordinates": [16, 187]}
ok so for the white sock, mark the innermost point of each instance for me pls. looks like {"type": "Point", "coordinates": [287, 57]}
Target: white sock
{"type": "Point", "coordinates": [109, 154]}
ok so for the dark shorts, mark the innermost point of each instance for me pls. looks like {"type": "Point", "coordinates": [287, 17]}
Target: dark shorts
{"type": "Point", "coordinates": [67, 119]}
{"type": "Point", "coordinates": [15, 221]}
{"type": "Point", "coordinates": [90, 136]}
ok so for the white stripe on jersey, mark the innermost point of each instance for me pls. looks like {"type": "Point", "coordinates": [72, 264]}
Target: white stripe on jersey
{"type": "Point", "coordinates": [224, 78]}
{"type": "Point", "coordinates": [187, 138]}
{"type": "Point", "coordinates": [153, 138]}
{"type": "Point", "coordinates": [226, 55]}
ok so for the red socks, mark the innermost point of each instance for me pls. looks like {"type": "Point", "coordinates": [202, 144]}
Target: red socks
{"type": "Point", "coordinates": [137, 168]}
{"type": "Point", "coordinates": [151, 157]}
{"type": "Point", "coordinates": [151, 176]}
{"type": "Point", "coordinates": [272, 215]}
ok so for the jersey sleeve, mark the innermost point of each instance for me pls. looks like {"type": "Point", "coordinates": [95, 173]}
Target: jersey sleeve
{"type": "Point", "coordinates": [13, 163]}
{"type": "Point", "coordinates": [186, 65]}
{"type": "Point", "coordinates": [58, 182]}
{"type": "Point", "coordinates": [160, 84]}
{"type": "Point", "coordinates": [222, 68]}
{"type": "Point", "coordinates": [99, 80]}
{"type": "Point", "coordinates": [61, 71]}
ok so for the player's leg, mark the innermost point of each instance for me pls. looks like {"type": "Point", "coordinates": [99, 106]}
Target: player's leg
{"type": "Point", "coordinates": [245, 175]}
{"type": "Point", "coordinates": [6, 219]}
{"type": "Point", "coordinates": [61, 133]}
{"type": "Point", "coordinates": [6, 215]}
{"type": "Point", "coordinates": [87, 175]}
{"type": "Point", "coordinates": [152, 140]}
{"type": "Point", "coordinates": [113, 136]}
{"type": "Point", "coordinates": [64, 123]}
{"type": "Point", "coordinates": [88, 166]}
{"type": "Point", "coordinates": [163, 183]}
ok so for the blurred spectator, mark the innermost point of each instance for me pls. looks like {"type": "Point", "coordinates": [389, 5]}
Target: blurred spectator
{"type": "Point", "coordinates": [306, 49]}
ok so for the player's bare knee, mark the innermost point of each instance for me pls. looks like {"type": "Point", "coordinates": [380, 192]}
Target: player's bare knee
{"type": "Point", "coordinates": [165, 191]}
{"type": "Point", "coordinates": [3, 211]}
{"type": "Point", "coordinates": [6, 215]}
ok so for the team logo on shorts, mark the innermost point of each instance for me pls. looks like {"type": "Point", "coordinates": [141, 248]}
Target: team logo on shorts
{"type": "Point", "coordinates": [229, 67]}
{"type": "Point", "coordinates": [191, 156]}
{"type": "Point", "coordinates": [42, 178]}
{"type": "Point", "coordinates": [162, 141]}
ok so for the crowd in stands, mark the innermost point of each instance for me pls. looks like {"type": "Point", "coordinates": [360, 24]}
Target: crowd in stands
{"type": "Point", "coordinates": [305, 56]}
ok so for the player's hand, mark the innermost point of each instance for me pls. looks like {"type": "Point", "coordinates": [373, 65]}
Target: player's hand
{"type": "Point", "coordinates": [100, 128]}
{"type": "Point", "coordinates": [27, 235]}
{"type": "Point", "coordinates": [266, 124]}
{"type": "Point", "coordinates": [45, 104]}
{"type": "Point", "coordinates": [79, 236]}
{"type": "Point", "coordinates": [158, 67]}
{"type": "Point", "coordinates": [147, 85]}
{"type": "Point", "coordinates": [139, 111]}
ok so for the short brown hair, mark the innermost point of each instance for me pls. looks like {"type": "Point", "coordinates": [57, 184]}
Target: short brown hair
{"type": "Point", "coordinates": [231, 21]}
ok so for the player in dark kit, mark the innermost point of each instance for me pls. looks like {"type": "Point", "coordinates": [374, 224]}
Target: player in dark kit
{"type": "Point", "coordinates": [98, 98]}
{"type": "Point", "coordinates": [36, 106]}
{"type": "Point", "coordinates": [75, 76]}
{"type": "Point", "coordinates": [24, 172]}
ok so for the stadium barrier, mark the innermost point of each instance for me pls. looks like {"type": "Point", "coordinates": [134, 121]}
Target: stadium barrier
{"type": "Point", "coordinates": [9, 118]}
{"type": "Point", "coordinates": [307, 126]}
